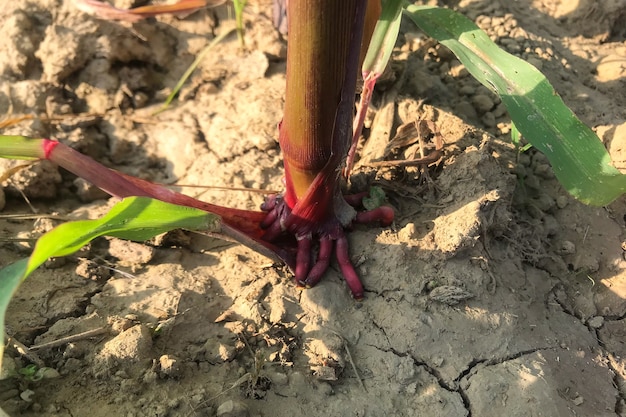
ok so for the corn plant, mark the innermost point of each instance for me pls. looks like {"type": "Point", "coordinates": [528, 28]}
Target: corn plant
{"type": "Point", "coordinates": [318, 128]}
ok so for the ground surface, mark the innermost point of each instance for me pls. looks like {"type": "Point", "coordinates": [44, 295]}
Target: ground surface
{"type": "Point", "coordinates": [493, 294]}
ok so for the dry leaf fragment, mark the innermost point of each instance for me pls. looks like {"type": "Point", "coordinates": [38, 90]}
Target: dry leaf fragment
{"type": "Point", "coordinates": [109, 12]}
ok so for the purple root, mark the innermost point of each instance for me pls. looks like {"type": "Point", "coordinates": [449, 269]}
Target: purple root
{"type": "Point", "coordinates": [279, 215]}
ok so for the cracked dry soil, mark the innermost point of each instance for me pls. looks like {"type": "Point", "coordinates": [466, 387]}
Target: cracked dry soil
{"type": "Point", "coordinates": [493, 294]}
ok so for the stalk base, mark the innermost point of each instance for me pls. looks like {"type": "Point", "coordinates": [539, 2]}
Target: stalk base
{"type": "Point", "coordinates": [329, 235]}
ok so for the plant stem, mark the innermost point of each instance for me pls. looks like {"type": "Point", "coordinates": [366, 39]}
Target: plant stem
{"type": "Point", "coordinates": [239, 5]}
{"type": "Point", "coordinates": [325, 38]}
{"type": "Point", "coordinates": [322, 62]}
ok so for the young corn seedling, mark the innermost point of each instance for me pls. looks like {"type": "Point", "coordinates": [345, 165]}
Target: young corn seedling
{"type": "Point", "coordinates": [325, 39]}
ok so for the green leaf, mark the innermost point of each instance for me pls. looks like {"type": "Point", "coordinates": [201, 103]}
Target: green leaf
{"type": "Point", "coordinates": [10, 279]}
{"type": "Point", "coordinates": [21, 147]}
{"type": "Point", "coordinates": [375, 199]}
{"type": "Point", "coordinates": [384, 37]}
{"type": "Point", "coordinates": [578, 157]}
{"type": "Point", "coordinates": [134, 218]}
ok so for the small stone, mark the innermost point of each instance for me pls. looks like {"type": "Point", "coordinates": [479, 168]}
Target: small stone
{"type": "Point", "coordinates": [550, 225]}
{"type": "Point", "coordinates": [505, 128]}
{"type": "Point", "coordinates": [544, 202]}
{"type": "Point", "coordinates": [9, 394]}
{"type": "Point", "coordinates": [561, 201]}
{"type": "Point", "coordinates": [9, 368]}
{"type": "Point", "coordinates": [325, 388]}
{"type": "Point", "coordinates": [140, 99]}
{"type": "Point", "coordinates": [150, 377]}
{"type": "Point", "coordinates": [499, 110]}
{"type": "Point", "coordinates": [131, 345]}
{"type": "Point", "coordinates": [444, 68]}
{"type": "Point", "coordinates": [611, 68]}
{"type": "Point", "coordinates": [534, 211]}
{"type": "Point", "coordinates": [216, 352]}
{"type": "Point", "coordinates": [130, 253]}
{"type": "Point", "coordinates": [408, 232]}
{"type": "Point", "coordinates": [91, 270]}
{"type": "Point", "coordinates": [533, 182]}
{"type": "Point", "coordinates": [325, 373]}
{"type": "Point", "coordinates": [55, 263]}
{"type": "Point", "coordinates": [566, 248]}
{"type": "Point", "coordinates": [578, 400]}
{"type": "Point", "coordinates": [458, 70]}
{"type": "Point", "coordinates": [488, 119]}
{"type": "Point", "coordinates": [232, 408]}
{"type": "Point", "coordinates": [278, 378]}
{"type": "Point", "coordinates": [535, 62]}
{"type": "Point", "coordinates": [544, 171]}
{"type": "Point", "coordinates": [170, 367]}
{"type": "Point", "coordinates": [596, 322]}
{"type": "Point", "coordinates": [465, 109]}
{"type": "Point", "coordinates": [467, 90]}
{"type": "Point", "coordinates": [87, 192]}
{"type": "Point", "coordinates": [482, 103]}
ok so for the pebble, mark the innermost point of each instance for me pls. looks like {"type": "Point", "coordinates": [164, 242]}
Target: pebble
{"type": "Point", "coordinates": [611, 68]}
{"type": "Point", "coordinates": [465, 109]}
{"type": "Point", "coordinates": [544, 171]}
{"type": "Point", "coordinates": [444, 68]}
{"type": "Point", "coordinates": [534, 211]}
{"type": "Point", "coordinates": [566, 248]}
{"type": "Point", "coordinates": [132, 253]}
{"type": "Point", "coordinates": [539, 158]}
{"type": "Point", "coordinates": [499, 110]}
{"type": "Point", "coordinates": [550, 225]}
{"type": "Point", "coordinates": [596, 322]}
{"type": "Point", "coordinates": [511, 45]}
{"type": "Point", "coordinates": [279, 378]}
{"type": "Point", "coordinates": [505, 128]}
{"type": "Point", "coordinates": [232, 408]}
{"type": "Point", "coordinates": [458, 70]}
{"type": "Point", "coordinates": [561, 201]}
{"type": "Point", "coordinates": [8, 369]}
{"type": "Point", "coordinates": [488, 119]}
{"type": "Point", "coordinates": [216, 352]}
{"type": "Point", "coordinates": [325, 388]}
{"type": "Point", "coordinates": [408, 232]}
{"type": "Point", "coordinates": [88, 192]}
{"type": "Point", "coordinates": [482, 103]}
{"type": "Point", "coordinates": [544, 202]}
{"type": "Point", "coordinates": [533, 182]}
{"type": "Point", "coordinates": [170, 367]}
{"type": "Point", "coordinates": [131, 345]}
{"type": "Point", "coordinates": [8, 394]}
{"type": "Point", "coordinates": [467, 90]}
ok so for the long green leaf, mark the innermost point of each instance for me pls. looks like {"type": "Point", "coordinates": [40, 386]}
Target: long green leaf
{"type": "Point", "coordinates": [134, 218]}
{"type": "Point", "coordinates": [580, 161]}
{"type": "Point", "coordinates": [384, 37]}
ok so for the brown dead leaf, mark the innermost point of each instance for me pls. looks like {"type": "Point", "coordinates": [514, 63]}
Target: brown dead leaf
{"type": "Point", "coordinates": [109, 12]}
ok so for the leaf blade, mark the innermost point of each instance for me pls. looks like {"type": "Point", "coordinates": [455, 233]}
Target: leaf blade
{"type": "Point", "coordinates": [580, 161]}
{"type": "Point", "coordinates": [134, 218]}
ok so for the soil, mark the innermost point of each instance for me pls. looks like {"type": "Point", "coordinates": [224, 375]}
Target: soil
{"type": "Point", "coordinates": [494, 293]}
